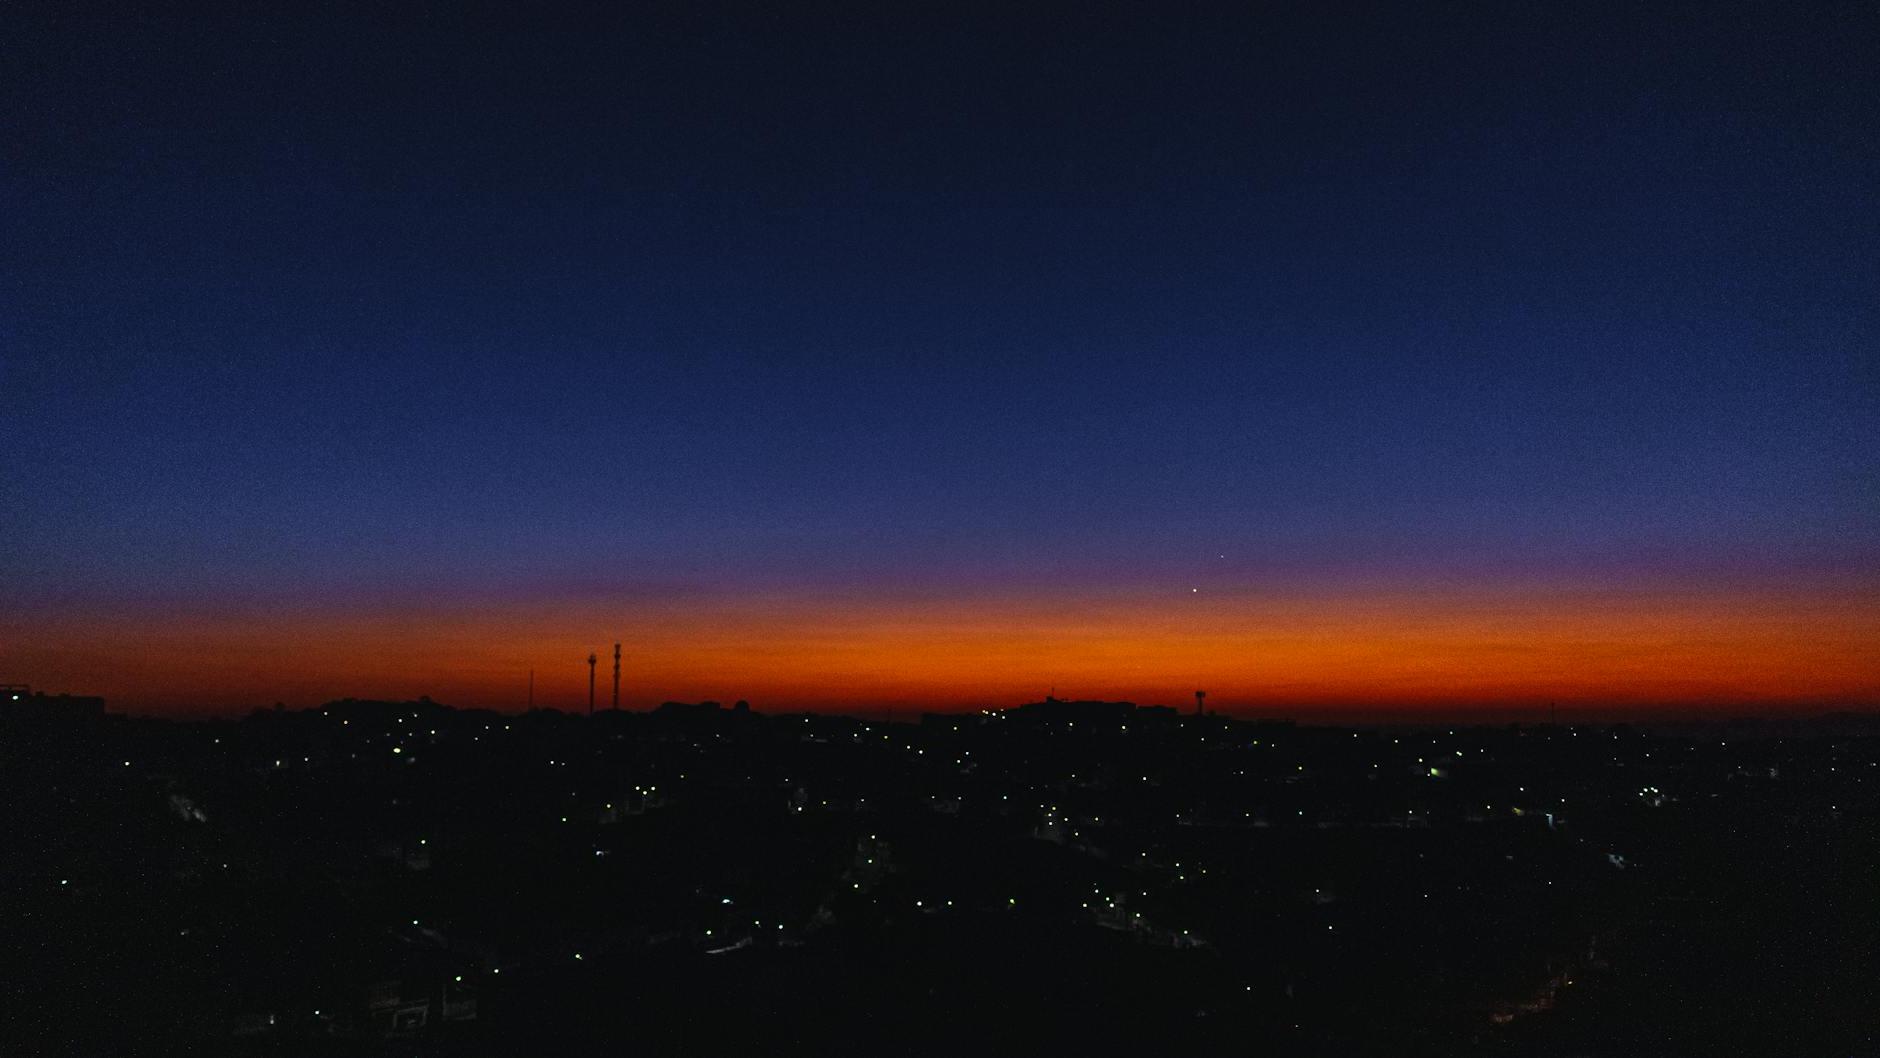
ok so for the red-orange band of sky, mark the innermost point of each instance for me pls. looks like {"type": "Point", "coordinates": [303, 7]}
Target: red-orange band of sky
{"type": "Point", "coordinates": [1379, 652]}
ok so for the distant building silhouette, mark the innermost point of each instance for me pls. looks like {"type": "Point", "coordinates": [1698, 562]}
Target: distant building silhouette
{"type": "Point", "coordinates": [1052, 709]}
{"type": "Point", "coordinates": [18, 701]}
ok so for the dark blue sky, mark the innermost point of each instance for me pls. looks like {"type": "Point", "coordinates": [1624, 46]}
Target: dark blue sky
{"type": "Point", "coordinates": [346, 302]}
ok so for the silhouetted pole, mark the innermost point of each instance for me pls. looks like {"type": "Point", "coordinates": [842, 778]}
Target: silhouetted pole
{"type": "Point", "coordinates": [591, 660]}
{"type": "Point", "coordinates": [1200, 696]}
{"type": "Point", "coordinates": [531, 690]}
{"type": "Point", "coordinates": [616, 677]}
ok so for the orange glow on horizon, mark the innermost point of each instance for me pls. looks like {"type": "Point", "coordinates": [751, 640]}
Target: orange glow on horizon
{"type": "Point", "coordinates": [1379, 651]}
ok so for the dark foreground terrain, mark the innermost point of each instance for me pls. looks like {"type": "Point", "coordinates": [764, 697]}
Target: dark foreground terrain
{"type": "Point", "coordinates": [405, 878]}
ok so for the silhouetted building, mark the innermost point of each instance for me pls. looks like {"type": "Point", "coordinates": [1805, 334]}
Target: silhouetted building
{"type": "Point", "coordinates": [705, 708]}
{"type": "Point", "coordinates": [1056, 709]}
{"type": "Point", "coordinates": [20, 702]}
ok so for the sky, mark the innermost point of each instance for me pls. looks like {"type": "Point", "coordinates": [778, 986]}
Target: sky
{"type": "Point", "coordinates": [1400, 358]}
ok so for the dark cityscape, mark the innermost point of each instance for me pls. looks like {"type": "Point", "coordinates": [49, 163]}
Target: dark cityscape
{"type": "Point", "coordinates": [712, 528]}
{"type": "Point", "coordinates": [407, 878]}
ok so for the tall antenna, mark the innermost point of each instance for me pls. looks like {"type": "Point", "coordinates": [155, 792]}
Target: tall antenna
{"type": "Point", "coordinates": [1200, 698]}
{"type": "Point", "coordinates": [616, 677]}
{"type": "Point", "coordinates": [531, 690]}
{"type": "Point", "coordinates": [591, 660]}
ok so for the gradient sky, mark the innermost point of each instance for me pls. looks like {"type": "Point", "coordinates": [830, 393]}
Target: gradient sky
{"type": "Point", "coordinates": [1320, 355]}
